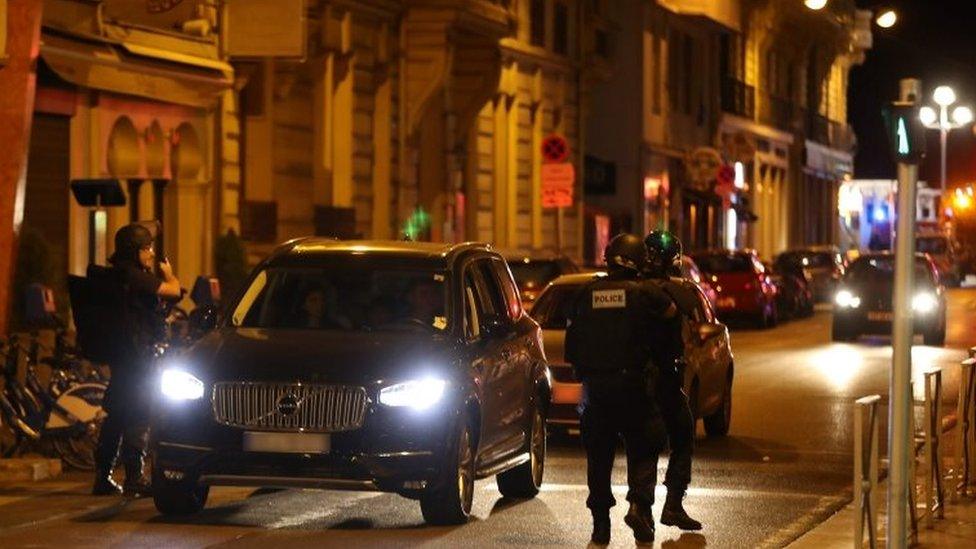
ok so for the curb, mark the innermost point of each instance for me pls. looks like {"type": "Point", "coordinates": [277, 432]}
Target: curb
{"type": "Point", "coordinates": [29, 469]}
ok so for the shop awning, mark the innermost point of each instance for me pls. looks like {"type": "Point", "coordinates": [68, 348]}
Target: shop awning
{"type": "Point", "coordinates": [188, 81]}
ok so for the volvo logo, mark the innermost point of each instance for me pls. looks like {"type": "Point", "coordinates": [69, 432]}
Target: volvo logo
{"type": "Point", "coordinates": [287, 404]}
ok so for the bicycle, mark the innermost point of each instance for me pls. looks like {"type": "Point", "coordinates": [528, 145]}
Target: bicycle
{"type": "Point", "coordinates": [65, 417]}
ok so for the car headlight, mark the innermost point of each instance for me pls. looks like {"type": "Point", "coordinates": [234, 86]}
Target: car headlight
{"type": "Point", "coordinates": [845, 298]}
{"type": "Point", "coordinates": [418, 394]}
{"type": "Point", "coordinates": [179, 385]}
{"type": "Point", "coordinates": [924, 302]}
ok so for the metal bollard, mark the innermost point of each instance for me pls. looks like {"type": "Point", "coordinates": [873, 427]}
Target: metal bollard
{"type": "Point", "coordinates": [866, 469]}
{"type": "Point", "coordinates": [965, 408]}
{"type": "Point", "coordinates": [932, 438]}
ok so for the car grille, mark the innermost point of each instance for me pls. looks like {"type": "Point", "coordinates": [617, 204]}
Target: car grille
{"type": "Point", "coordinates": [289, 406]}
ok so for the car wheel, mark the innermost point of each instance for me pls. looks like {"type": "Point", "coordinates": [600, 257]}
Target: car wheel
{"type": "Point", "coordinates": [525, 480]}
{"type": "Point", "coordinates": [448, 501]}
{"type": "Point", "coordinates": [717, 424]}
{"type": "Point", "coordinates": [183, 497]}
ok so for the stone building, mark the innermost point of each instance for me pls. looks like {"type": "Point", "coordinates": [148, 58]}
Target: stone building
{"type": "Point", "coordinates": [414, 117]}
{"type": "Point", "coordinates": [742, 137]}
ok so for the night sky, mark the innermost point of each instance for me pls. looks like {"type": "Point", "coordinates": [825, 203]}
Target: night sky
{"type": "Point", "coordinates": [934, 40]}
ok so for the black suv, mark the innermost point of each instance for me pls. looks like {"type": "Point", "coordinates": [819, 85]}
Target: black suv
{"type": "Point", "coordinates": [394, 366]}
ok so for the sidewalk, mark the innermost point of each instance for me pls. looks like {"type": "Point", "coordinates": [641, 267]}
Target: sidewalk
{"type": "Point", "coordinates": [957, 529]}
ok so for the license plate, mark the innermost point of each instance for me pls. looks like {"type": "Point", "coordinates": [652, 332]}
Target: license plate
{"type": "Point", "coordinates": [726, 302]}
{"type": "Point", "coordinates": [292, 443]}
{"type": "Point", "coordinates": [881, 316]}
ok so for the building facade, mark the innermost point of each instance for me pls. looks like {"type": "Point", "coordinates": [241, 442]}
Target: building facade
{"type": "Point", "coordinates": [419, 118]}
{"type": "Point", "coordinates": [742, 139]}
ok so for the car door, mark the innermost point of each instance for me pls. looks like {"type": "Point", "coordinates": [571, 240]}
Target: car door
{"type": "Point", "coordinates": [711, 338]}
{"type": "Point", "coordinates": [493, 351]}
{"type": "Point", "coordinates": [517, 370]}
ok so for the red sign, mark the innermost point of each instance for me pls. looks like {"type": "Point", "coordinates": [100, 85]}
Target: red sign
{"type": "Point", "coordinates": [555, 149]}
{"type": "Point", "coordinates": [558, 181]}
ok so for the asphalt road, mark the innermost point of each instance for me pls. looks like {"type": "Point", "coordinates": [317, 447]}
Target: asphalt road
{"type": "Point", "coordinates": [785, 467]}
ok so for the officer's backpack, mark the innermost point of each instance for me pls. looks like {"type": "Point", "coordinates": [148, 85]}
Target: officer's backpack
{"type": "Point", "coordinates": [98, 308]}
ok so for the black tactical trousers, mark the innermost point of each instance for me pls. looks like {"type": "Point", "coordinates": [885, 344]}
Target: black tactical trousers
{"type": "Point", "coordinates": [680, 424]}
{"type": "Point", "coordinates": [127, 424]}
{"type": "Point", "coordinates": [615, 406]}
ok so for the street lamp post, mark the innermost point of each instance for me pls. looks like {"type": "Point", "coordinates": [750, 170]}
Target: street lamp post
{"type": "Point", "coordinates": [944, 97]}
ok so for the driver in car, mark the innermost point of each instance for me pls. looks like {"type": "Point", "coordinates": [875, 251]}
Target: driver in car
{"type": "Point", "coordinates": [425, 301]}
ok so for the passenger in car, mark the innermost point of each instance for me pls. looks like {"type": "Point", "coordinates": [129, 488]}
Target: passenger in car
{"type": "Point", "coordinates": [425, 301]}
{"type": "Point", "coordinates": [320, 309]}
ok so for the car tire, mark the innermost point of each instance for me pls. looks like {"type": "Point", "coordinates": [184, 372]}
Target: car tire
{"type": "Point", "coordinates": [525, 480]}
{"type": "Point", "coordinates": [448, 500]}
{"type": "Point", "coordinates": [184, 497]}
{"type": "Point", "coordinates": [717, 424]}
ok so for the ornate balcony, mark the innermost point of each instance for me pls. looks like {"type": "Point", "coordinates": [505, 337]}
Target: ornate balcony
{"type": "Point", "coordinates": [738, 98]}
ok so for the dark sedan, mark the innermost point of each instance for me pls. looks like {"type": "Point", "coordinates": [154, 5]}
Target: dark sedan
{"type": "Point", "coordinates": [394, 366]}
{"type": "Point", "coordinates": [863, 303]}
{"type": "Point", "coordinates": [708, 352]}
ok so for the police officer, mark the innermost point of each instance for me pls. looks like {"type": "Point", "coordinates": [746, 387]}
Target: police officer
{"type": "Point", "coordinates": [607, 343]}
{"type": "Point", "coordinates": [664, 252]}
{"type": "Point", "coordinates": [142, 325]}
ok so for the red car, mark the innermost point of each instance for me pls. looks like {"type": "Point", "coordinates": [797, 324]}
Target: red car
{"type": "Point", "coordinates": [744, 287]}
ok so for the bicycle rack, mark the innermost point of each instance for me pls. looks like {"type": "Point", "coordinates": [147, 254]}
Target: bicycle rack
{"type": "Point", "coordinates": [929, 441]}
{"type": "Point", "coordinates": [866, 425]}
{"type": "Point", "coordinates": [966, 414]}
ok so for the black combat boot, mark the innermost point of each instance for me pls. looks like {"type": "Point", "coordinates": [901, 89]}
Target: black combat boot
{"type": "Point", "coordinates": [104, 484]}
{"type": "Point", "coordinates": [136, 483]}
{"type": "Point", "coordinates": [601, 528]}
{"type": "Point", "coordinates": [674, 513]}
{"type": "Point", "coordinates": [641, 521]}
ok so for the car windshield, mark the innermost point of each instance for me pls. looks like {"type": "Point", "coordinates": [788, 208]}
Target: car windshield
{"type": "Point", "coordinates": [935, 245]}
{"type": "Point", "coordinates": [554, 306]}
{"type": "Point", "coordinates": [534, 273]}
{"type": "Point", "coordinates": [733, 263]}
{"type": "Point", "coordinates": [346, 295]}
{"type": "Point", "coordinates": [874, 270]}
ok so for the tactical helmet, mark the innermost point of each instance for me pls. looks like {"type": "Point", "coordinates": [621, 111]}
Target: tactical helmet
{"type": "Point", "coordinates": [625, 251]}
{"type": "Point", "coordinates": [663, 248]}
{"type": "Point", "coordinates": [130, 239]}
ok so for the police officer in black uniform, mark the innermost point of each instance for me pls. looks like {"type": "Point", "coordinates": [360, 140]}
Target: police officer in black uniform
{"type": "Point", "coordinates": [664, 251]}
{"type": "Point", "coordinates": [129, 391]}
{"type": "Point", "coordinates": [608, 344]}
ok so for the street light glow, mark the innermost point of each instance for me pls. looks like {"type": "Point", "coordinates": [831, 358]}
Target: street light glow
{"type": "Point", "coordinates": [927, 115]}
{"type": "Point", "coordinates": [815, 4]}
{"type": "Point", "coordinates": [962, 115]}
{"type": "Point", "coordinates": [887, 19]}
{"type": "Point", "coordinates": [944, 96]}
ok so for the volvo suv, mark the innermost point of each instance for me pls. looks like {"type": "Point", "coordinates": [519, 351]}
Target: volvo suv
{"type": "Point", "coordinates": [394, 366]}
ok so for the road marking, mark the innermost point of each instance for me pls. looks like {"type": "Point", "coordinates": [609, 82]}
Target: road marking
{"type": "Point", "coordinates": [319, 514]}
{"type": "Point", "coordinates": [661, 490]}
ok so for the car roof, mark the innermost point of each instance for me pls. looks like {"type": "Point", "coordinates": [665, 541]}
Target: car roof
{"type": "Point", "coordinates": [889, 255]}
{"type": "Point", "coordinates": [314, 246]}
{"type": "Point", "coordinates": [530, 255]}
{"type": "Point", "coordinates": [576, 278]}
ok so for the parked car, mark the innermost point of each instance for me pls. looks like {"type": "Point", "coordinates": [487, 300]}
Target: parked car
{"type": "Point", "coordinates": [824, 266]}
{"type": "Point", "coordinates": [744, 288]}
{"type": "Point", "coordinates": [944, 253]}
{"type": "Point", "coordinates": [690, 271]}
{"type": "Point", "coordinates": [708, 376]}
{"type": "Point", "coordinates": [403, 367]}
{"type": "Point", "coordinates": [794, 299]}
{"type": "Point", "coordinates": [532, 271]}
{"type": "Point", "coordinates": [863, 304]}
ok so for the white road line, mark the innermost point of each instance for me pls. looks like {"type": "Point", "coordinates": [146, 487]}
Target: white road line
{"type": "Point", "coordinates": [319, 514]}
{"type": "Point", "coordinates": [660, 490]}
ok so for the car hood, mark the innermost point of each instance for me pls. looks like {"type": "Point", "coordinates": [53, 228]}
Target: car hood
{"type": "Point", "coordinates": [319, 356]}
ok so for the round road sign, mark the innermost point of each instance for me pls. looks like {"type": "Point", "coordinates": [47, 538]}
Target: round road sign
{"type": "Point", "coordinates": [555, 148]}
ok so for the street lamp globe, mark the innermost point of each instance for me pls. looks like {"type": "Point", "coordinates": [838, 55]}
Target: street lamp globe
{"type": "Point", "coordinates": [887, 19]}
{"type": "Point", "coordinates": [962, 115]}
{"type": "Point", "coordinates": [815, 4]}
{"type": "Point", "coordinates": [944, 96]}
{"type": "Point", "coordinates": [927, 115]}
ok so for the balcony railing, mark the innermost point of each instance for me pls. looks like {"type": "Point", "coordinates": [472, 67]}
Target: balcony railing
{"type": "Point", "coordinates": [837, 135]}
{"type": "Point", "coordinates": [818, 128]}
{"type": "Point", "coordinates": [738, 98]}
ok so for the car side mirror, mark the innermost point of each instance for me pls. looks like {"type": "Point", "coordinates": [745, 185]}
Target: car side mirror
{"type": "Point", "coordinates": [203, 319]}
{"type": "Point", "coordinates": [708, 330]}
{"type": "Point", "coordinates": [494, 326]}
